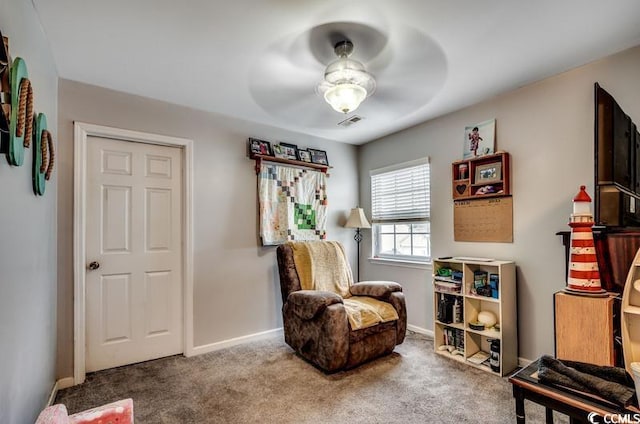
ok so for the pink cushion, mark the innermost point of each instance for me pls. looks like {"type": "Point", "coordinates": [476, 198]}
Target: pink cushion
{"type": "Point", "coordinates": [55, 414]}
{"type": "Point", "coordinates": [120, 412]}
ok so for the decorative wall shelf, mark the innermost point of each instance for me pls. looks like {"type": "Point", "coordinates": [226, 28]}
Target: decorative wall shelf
{"type": "Point", "coordinates": [481, 177]}
{"type": "Point", "coordinates": [260, 158]}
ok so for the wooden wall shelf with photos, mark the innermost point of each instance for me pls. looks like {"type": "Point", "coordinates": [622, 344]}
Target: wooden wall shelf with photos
{"type": "Point", "coordinates": [267, 158]}
{"type": "Point", "coordinates": [481, 177]}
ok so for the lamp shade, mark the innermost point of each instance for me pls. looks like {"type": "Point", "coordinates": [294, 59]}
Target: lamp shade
{"type": "Point", "coordinates": [357, 219]}
{"type": "Point", "coordinates": [345, 98]}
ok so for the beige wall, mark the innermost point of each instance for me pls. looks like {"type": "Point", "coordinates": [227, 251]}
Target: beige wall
{"type": "Point", "coordinates": [236, 287]}
{"type": "Point", "coordinates": [548, 129]}
{"type": "Point", "coordinates": [28, 241]}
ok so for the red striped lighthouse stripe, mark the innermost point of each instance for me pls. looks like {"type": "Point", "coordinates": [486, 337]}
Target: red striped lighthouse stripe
{"type": "Point", "coordinates": [583, 258]}
{"type": "Point", "coordinates": [584, 275]}
{"type": "Point", "coordinates": [584, 229]}
{"type": "Point", "coordinates": [584, 224]}
{"type": "Point", "coordinates": [582, 243]}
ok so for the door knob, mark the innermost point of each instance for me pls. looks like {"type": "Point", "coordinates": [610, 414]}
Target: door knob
{"type": "Point", "coordinates": [94, 265]}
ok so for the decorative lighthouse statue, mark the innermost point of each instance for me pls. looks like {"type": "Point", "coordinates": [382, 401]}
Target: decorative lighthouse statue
{"type": "Point", "coordinates": [584, 276]}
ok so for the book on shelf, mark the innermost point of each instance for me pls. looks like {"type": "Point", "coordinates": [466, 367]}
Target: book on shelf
{"type": "Point", "coordinates": [479, 357]}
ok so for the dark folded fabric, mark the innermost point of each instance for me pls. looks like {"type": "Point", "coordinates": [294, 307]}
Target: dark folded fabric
{"type": "Point", "coordinates": [615, 374]}
{"type": "Point", "coordinates": [607, 382]}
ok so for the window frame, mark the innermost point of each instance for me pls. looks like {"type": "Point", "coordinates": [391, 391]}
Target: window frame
{"type": "Point", "coordinates": [378, 233]}
{"type": "Point", "coordinates": [377, 224]}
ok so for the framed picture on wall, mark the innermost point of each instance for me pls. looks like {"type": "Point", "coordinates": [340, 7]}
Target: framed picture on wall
{"type": "Point", "coordinates": [289, 151]}
{"type": "Point", "coordinates": [278, 151]}
{"type": "Point", "coordinates": [259, 147]}
{"type": "Point", "coordinates": [319, 157]}
{"type": "Point", "coordinates": [304, 155]}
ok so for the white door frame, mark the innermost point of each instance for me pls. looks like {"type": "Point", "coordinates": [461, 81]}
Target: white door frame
{"type": "Point", "coordinates": [81, 133]}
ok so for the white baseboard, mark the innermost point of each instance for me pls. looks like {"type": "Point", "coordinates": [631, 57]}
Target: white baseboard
{"type": "Point", "coordinates": [420, 330]}
{"type": "Point", "coordinates": [52, 395]}
{"type": "Point", "coordinates": [211, 347]}
{"type": "Point", "coordinates": [63, 383]}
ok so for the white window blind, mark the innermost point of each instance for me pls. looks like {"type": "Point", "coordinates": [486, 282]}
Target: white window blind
{"type": "Point", "coordinates": [401, 193]}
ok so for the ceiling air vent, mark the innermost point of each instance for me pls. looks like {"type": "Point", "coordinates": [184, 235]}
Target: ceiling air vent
{"type": "Point", "coordinates": [350, 121]}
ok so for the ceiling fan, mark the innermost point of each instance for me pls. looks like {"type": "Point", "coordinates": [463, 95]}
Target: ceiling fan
{"type": "Point", "coordinates": [346, 82]}
{"type": "Point", "coordinates": [409, 68]}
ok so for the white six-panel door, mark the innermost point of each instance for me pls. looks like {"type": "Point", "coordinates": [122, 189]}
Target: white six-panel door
{"type": "Point", "coordinates": [134, 238]}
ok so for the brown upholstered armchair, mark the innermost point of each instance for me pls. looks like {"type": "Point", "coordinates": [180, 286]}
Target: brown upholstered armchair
{"type": "Point", "coordinates": [330, 321]}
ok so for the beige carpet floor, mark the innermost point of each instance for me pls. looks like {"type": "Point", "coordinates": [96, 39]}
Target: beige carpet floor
{"type": "Point", "coordinates": [265, 382]}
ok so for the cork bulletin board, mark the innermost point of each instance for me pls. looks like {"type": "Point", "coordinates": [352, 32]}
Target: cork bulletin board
{"type": "Point", "coordinates": [489, 220]}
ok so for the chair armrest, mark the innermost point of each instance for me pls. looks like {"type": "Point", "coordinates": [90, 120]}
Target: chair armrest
{"type": "Point", "coordinates": [375, 289]}
{"type": "Point", "coordinates": [307, 304]}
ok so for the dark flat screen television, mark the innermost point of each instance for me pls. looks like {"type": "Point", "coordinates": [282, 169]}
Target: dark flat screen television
{"type": "Point", "coordinates": [617, 164]}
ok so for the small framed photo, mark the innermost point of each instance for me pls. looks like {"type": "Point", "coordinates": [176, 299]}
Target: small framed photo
{"type": "Point", "coordinates": [479, 139]}
{"type": "Point", "coordinates": [304, 155]}
{"type": "Point", "coordinates": [285, 151]}
{"type": "Point", "coordinates": [290, 151]}
{"type": "Point", "coordinates": [488, 173]}
{"type": "Point", "coordinates": [319, 157]}
{"type": "Point", "coordinates": [259, 147]}
{"type": "Point", "coordinates": [278, 151]}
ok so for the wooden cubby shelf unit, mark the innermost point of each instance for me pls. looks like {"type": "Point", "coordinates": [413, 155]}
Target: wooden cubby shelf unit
{"type": "Point", "coordinates": [470, 341]}
{"type": "Point", "coordinates": [266, 158]}
{"type": "Point", "coordinates": [481, 177]}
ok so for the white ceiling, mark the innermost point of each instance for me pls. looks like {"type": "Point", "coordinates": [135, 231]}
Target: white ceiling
{"type": "Point", "coordinates": [260, 60]}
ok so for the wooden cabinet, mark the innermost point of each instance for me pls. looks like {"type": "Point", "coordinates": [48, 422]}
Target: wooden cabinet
{"type": "Point", "coordinates": [456, 282]}
{"type": "Point", "coordinates": [584, 328]}
{"type": "Point", "coordinates": [480, 177]}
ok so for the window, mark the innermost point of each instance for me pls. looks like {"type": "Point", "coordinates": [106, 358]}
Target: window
{"type": "Point", "coordinates": [401, 211]}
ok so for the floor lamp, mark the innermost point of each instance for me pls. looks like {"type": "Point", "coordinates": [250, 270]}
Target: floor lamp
{"type": "Point", "coordinates": [357, 220]}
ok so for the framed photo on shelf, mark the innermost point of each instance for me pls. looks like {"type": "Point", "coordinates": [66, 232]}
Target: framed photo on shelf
{"type": "Point", "coordinates": [304, 155]}
{"type": "Point", "coordinates": [259, 147]}
{"type": "Point", "coordinates": [463, 171]}
{"type": "Point", "coordinates": [290, 151]}
{"type": "Point", "coordinates": [279, 151]}
{"type": "Point", "coordinates": [479, 139]}
{"type": "Point", "coordinates": [319, 157]}
{"type": "Point", "coordinates": [488, 173]}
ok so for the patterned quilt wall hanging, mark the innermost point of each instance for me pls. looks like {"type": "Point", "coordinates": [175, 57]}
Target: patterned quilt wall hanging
{"type": "Point", "coordinates": [293, 204]}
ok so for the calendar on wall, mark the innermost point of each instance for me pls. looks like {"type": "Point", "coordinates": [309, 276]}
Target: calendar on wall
{"type": "Point", "coordinates": [483, 220]}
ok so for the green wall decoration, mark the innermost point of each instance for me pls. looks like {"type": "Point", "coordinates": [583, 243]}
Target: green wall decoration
{"type": "Point", "coordinates": [19, 124]}
{"type": "Point", "coordinates": [40, 149]}
{"type": "Point", "coordinates": [5, 95]}
{"type": "Point", "coordinates": [17, 132]}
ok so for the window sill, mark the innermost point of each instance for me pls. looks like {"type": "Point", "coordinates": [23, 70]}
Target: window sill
{"type": "Point", "coordinates": [401, 263]}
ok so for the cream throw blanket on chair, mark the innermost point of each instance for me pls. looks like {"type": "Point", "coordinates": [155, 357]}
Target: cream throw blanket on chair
{"type": "Point", "coordinates": [322, 265]}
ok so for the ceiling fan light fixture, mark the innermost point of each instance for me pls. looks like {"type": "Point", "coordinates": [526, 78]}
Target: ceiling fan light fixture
{"type": "Point", "coordinates": [346, 82]}
{"type": "Point", "coordinates": [345, 98]}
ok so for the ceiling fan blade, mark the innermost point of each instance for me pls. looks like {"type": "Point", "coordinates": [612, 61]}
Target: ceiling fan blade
{"type": "Point", "coordinates": [426, 58]}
